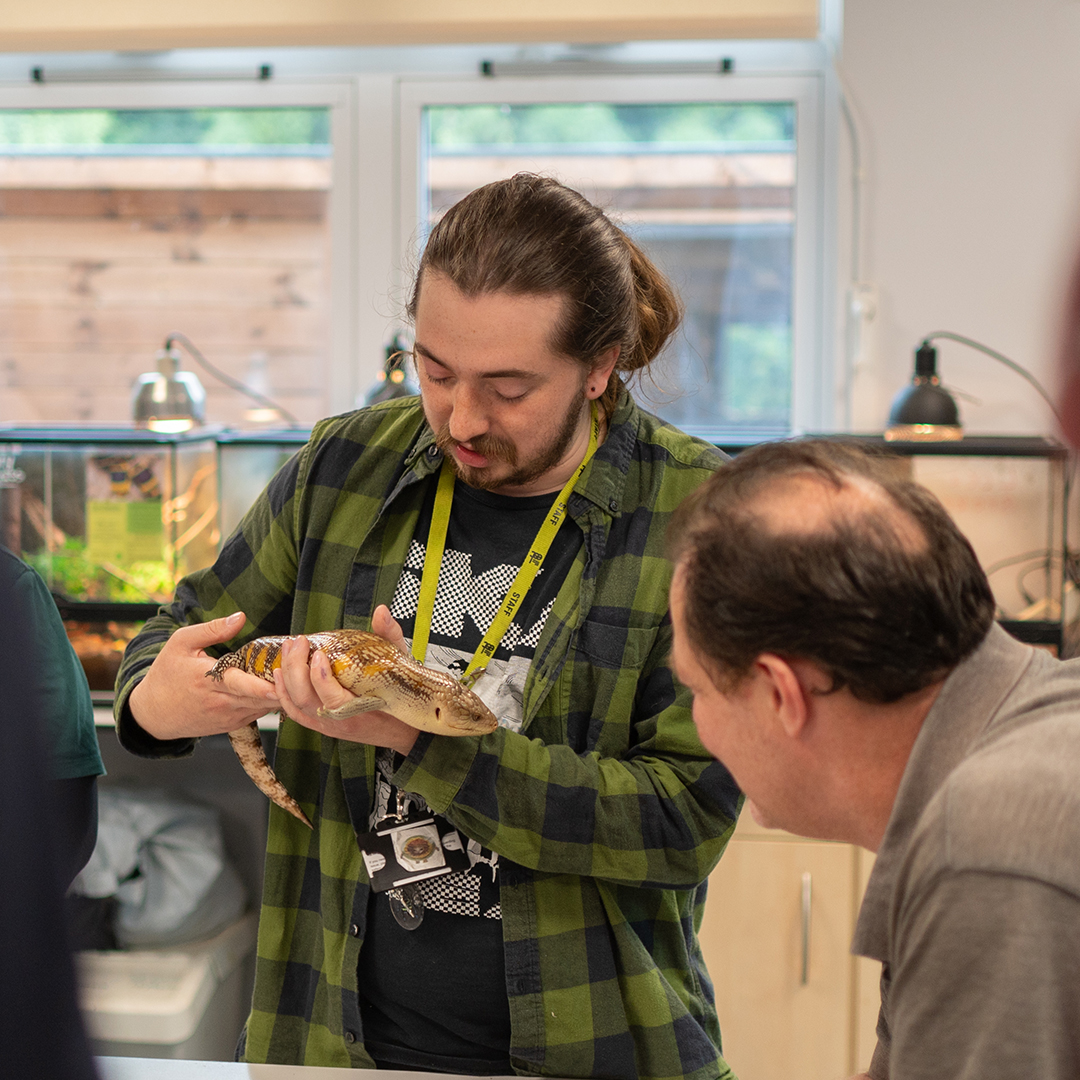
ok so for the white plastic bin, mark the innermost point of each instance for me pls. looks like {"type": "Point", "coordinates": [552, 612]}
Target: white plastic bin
{"type": "Point", "coordinates": [186, 1001]}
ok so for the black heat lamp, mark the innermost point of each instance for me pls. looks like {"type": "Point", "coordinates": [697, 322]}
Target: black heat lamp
{"type": "Point", "coordinates": [924, 411]}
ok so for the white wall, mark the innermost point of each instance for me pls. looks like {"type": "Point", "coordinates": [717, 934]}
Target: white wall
{"type": "Point", "coordinates": [969, 120]}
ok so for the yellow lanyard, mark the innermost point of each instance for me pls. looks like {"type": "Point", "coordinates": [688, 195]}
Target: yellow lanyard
{"type": "Point", "coordinates": [436, 545]}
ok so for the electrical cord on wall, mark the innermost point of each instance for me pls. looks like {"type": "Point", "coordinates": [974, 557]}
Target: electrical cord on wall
{"type": "Point", "coordinates": [227, 379]}
{"type": "Point", "coordinates": [856, 301]}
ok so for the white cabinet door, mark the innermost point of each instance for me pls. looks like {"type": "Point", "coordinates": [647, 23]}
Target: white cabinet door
{"type": "Point", "coordinates": [776, 938]}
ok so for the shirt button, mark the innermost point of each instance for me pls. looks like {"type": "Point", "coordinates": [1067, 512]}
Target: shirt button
{"type": "Point", "coordinates": [354, 930]}
{"type": "Point", "coordinates": [613, 506]}
{"type": "Point", "coordinates": [350, 1036]}
{"type": "Point", "coordinates": [432, 451]}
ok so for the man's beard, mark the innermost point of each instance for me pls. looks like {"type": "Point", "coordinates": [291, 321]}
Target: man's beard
{"type": "Point", "coordinates": [504, 451]}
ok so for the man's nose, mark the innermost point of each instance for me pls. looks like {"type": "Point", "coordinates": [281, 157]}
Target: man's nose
{"type": "Point", "coordinates": [468, 417]}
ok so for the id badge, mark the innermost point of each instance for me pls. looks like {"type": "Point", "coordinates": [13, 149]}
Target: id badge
{"type": "Point", "coordinates": [406, 852]}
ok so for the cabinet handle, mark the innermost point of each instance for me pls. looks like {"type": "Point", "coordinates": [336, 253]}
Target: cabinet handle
{"type": "Point", "coordinates": [807, 894]}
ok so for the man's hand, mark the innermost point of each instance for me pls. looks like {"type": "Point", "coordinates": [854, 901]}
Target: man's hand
{"type": "Point", "coordinates": [302, 689]}
{"type": "Point", "coordinates": [176, 700]}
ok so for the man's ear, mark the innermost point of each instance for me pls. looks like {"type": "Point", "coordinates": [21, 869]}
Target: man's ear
{"type": "Point", "coordinates": [600, 373]}
{"type": "Point", "coordinates": [788, 696]}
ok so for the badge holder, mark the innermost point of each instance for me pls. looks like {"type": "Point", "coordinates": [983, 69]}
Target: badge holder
{"type": "Point", "coordinates": [401, 854]}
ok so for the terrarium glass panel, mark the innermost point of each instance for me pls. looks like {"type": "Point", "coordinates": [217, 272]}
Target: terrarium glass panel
{"type": "Point", "coordinates": [110, 518]}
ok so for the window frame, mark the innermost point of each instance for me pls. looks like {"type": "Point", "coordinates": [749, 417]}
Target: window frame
{"type": "Point", "coordinates": [338, 95]}
{"type": "Point", "coordinates": [812, 389]}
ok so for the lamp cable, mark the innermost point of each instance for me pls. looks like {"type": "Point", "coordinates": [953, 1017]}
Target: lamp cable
{"type": "Point", "coordinates": [227, 379]}
{"type": "Point", "coordinates": [1012, 365]}
{"type": "Point", "coordinates": [1071, 566]}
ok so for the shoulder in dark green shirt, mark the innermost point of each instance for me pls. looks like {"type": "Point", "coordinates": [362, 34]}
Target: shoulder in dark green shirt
{"type": "Point", "coordinates": [60, 684]}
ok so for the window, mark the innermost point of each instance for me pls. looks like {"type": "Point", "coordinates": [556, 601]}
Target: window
{"type": "Point", "coordinates": [716, 179]}
{"type": "Point", "coordinates": [722, 178]}
{"type": "Point", "coordinates": [125, 219]}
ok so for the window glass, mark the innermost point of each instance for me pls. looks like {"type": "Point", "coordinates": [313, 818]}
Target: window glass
{"type": "Point", "coordinates": [707, 188]}
{"type": "Point", "coordinates": [304, 130]}
{"type": "Point", "coordinates": [121, 226]}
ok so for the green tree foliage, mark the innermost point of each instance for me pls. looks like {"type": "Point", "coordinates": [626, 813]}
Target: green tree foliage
{"type": "Point", "coordinates": [453, 127]}
{"type": "Point", "coordinates": [57, 129]}
{"type": "Point", "coordinates": [756, 373]}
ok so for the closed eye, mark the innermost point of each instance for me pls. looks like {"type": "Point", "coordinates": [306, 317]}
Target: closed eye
{"type": "Point", "coordinates": [511, 389]}
{"type": "Point", "coordinates": [432, 370]}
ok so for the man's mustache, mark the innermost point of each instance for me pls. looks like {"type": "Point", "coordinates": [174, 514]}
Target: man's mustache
{"type": "Point", "coordinates": [490, 446]}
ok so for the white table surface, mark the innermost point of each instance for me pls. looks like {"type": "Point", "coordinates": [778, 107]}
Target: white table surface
{"type": "Point", "coordinates": [103, 718]}
{"type": "Point", "coordinates": [129, 1068]}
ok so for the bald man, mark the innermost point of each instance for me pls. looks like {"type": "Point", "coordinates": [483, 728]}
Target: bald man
{"type": "Point", "coordinates": [837, 632]}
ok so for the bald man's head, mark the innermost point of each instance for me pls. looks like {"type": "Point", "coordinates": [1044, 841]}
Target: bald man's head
{"type": "Point", "coordinates": [806, 502]}
{"type": "Point", "coordinates": [816, 549]}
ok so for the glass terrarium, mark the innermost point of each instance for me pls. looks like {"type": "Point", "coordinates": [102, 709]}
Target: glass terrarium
{"type": "Point", "coordinates": [247, 461]}
{"type": "Point", "coordinates": [1008, 494]}
{"type": "Point", "coordinates": [111, 518]}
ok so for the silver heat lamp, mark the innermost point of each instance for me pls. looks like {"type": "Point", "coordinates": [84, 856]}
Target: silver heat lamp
{"type": "Point", "coordinates": [168, 399]}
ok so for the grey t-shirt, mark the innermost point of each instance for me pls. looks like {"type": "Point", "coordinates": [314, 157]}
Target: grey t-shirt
{"type": "Point", "coordinates": [974, 903]}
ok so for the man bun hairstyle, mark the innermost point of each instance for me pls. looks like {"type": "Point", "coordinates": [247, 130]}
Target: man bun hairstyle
{"type": "Point", "coordinates": [531, 235]}
{"type": "Point", "coordinates": [883, 613]}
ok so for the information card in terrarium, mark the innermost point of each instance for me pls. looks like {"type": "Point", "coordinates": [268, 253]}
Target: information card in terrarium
{"type": "Point", "coordinates": [124, 509]}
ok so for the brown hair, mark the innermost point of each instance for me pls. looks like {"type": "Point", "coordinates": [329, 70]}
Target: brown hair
{"type": "Point", "coordinates": [882, 616]}
{"type": "Point", "coordinates": [531, 235]}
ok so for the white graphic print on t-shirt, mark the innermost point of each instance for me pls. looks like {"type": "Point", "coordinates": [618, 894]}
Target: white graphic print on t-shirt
{"type": "Point", "coordinates": [459, 596]}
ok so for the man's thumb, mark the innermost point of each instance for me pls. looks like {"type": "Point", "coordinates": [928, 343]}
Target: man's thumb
{"type": "Point", "coordinates": [199, 635]}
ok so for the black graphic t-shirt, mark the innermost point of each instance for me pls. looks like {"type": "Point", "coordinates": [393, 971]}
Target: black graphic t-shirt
{"type": "Point", "coordinates": [434, 998]}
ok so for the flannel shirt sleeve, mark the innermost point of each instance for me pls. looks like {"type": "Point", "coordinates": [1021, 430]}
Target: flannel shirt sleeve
{"type": "Point", "coordinates": [255, 573]}
{"type": "Point", "coordinates": [658, 815]}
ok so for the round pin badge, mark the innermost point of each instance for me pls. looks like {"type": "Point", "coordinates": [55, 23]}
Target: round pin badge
{"type": "Point", "coordinates": [407, 906]}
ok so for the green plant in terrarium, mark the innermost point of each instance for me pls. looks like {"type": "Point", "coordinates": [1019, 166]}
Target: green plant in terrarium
{"type": "Point", "coordinates": [69, 571]}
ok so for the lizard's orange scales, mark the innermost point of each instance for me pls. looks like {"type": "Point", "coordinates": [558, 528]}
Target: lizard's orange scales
{"type": "Point", "coordinates": [378, 675]}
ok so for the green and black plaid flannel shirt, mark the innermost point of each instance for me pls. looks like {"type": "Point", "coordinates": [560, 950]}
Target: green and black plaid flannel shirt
{"type": "Point", "coordinates": [606, 812]}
